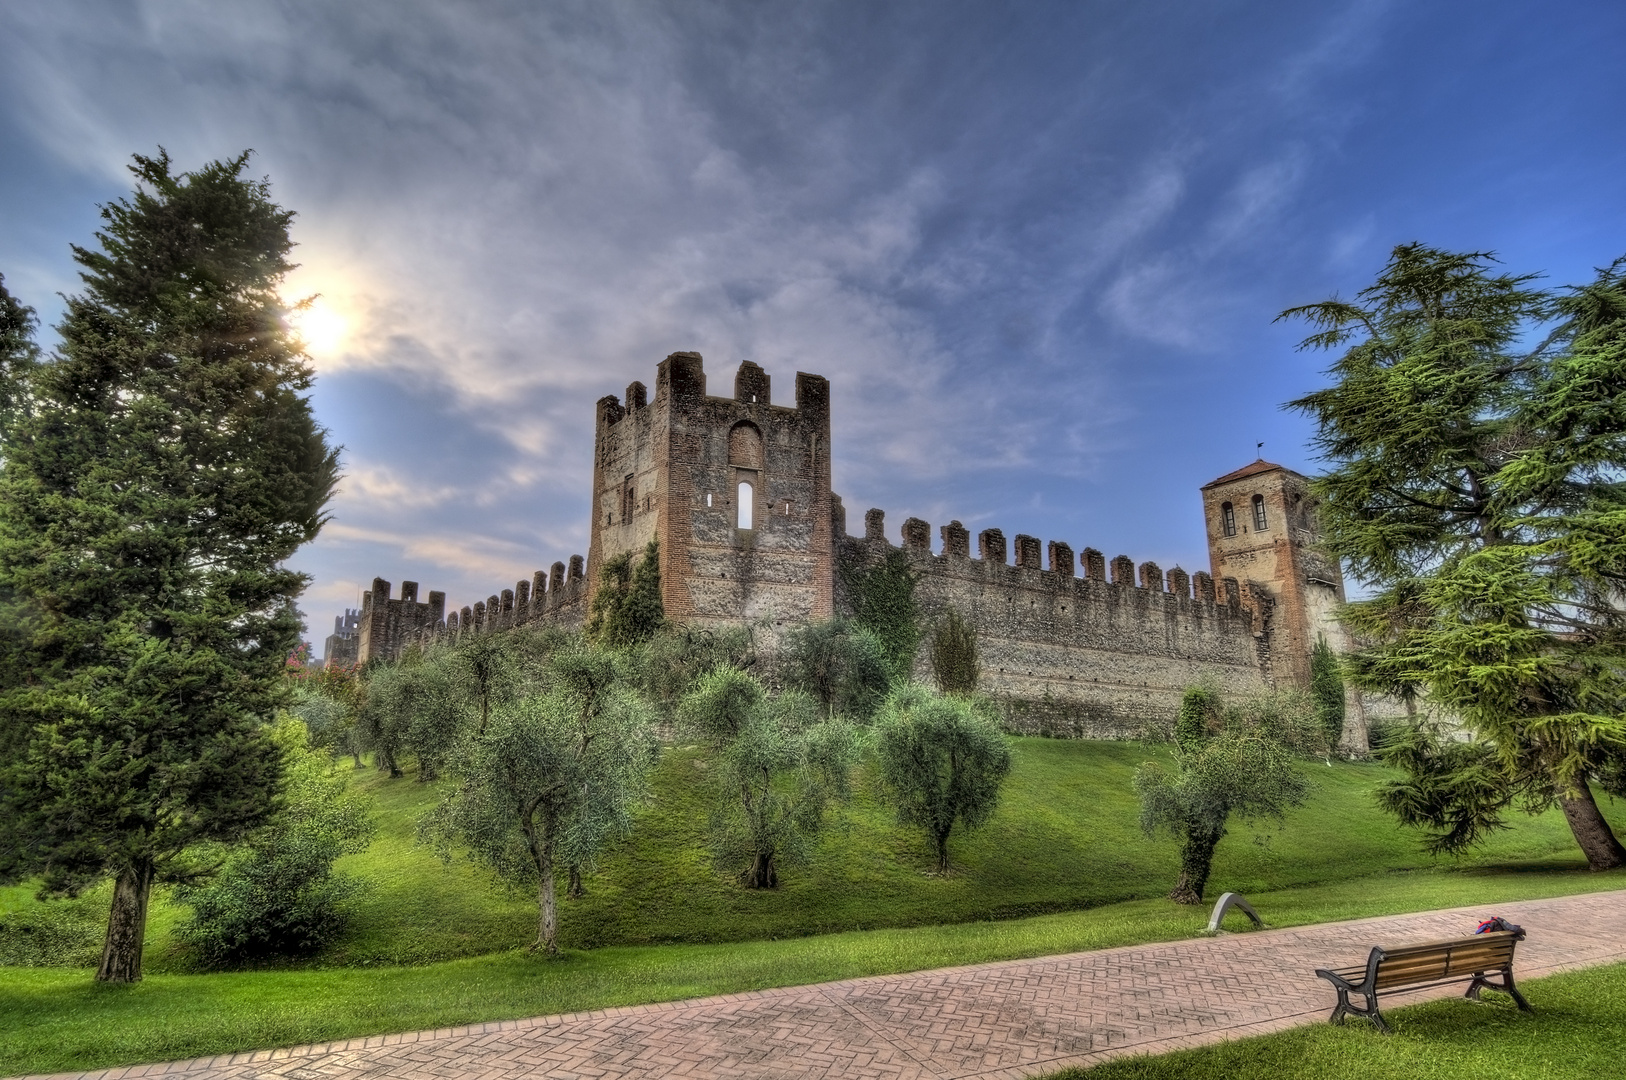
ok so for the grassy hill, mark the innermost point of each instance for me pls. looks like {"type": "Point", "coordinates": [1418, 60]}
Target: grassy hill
{"type": "Point", "coordinates": [1065, 838]}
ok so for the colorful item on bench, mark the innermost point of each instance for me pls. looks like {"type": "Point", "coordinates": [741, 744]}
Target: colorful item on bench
{"type": "Point", "coordinates": [1496, 922]}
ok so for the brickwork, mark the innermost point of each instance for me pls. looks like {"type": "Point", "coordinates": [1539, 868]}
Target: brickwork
{"type": "Point", "coordinates": [996, 1021]}
{"type": "Point", "coordinates": [736, 489]}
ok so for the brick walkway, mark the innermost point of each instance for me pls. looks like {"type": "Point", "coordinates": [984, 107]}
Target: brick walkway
{"type": "Point", "coordinates": [1001, 1020]}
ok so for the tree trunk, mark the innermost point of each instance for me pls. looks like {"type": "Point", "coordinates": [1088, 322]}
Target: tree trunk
{"type": "Point", "coordinates": [941, 840]}
{"type": "Point", "coordinates": [762, 874]}
{"type": "Point", "coordinates": [576, 891]}
{"type": "Point", "coordinates": [547, 930]}
{"type": "Point", "coordinates": [1592, 832]}
{"type": "Point", "coordinates": [1196, 858]}
{"type": "Point", "coordinates": [127, 925]}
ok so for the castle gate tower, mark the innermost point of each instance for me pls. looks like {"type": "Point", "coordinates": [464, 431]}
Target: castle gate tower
{"type": "Point", "coordinates": [1262, 527]}
{"type": "Point", "coordinates": [736, 489]}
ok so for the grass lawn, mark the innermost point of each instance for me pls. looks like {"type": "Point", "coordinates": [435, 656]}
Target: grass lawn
{"type": "Point", "coordinates": [1064, 839]}
{"type": "Point", "coordinates": [1574, 1034]}
{"type": "Point", "coordinates": [431, 945]}
{"type": "Point", "coordinates": [57, 1019]}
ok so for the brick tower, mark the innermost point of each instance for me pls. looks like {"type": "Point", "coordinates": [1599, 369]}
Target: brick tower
{"type": "Point", "coordinates": [736, 489]}
{"type": "Point", "coordinates": [1262, 528]}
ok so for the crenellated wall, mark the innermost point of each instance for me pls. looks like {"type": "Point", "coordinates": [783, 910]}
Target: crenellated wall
{"type": "Point", "coordinates": [1076, 654]}
{"type": "Point", "coordinates": [737, 491]}
{"type": "Point", "coordinates": [556, 597]}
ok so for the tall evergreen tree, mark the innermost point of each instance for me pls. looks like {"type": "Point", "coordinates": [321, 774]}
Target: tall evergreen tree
{"type": "Point", "coordinates": [165, 469]}
{"type": "Point", "coordinates": [1479, 487]}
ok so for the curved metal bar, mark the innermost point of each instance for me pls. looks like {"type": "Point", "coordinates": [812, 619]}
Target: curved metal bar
{"type": "Point", "coordinates": [1226, 903]}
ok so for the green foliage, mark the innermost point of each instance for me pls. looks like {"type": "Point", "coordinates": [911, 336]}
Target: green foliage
{"type": "Point", "coordinates": [1475, 485]}
{"type": "Point", "coordinates": [954, 655]}
{"type": "Point", "coordinates": [276, 894]}
{"type": "Point", "coordinates": [671, 662]}
{"type": "Point", "coordinates": [940, 762]}
{"type": "Point", "coordinates": [883, 602]}
{"type": "Point", "coordinates": [18, 358]}
{"type": "Point", "coordinates": [1242, 767]}
{"type": "Point", "coordinates": [1327, 688]}
{"type": "Point", "coordinates": [327, 700]}
{"type": "Point", "coordinates": [549, 780]}
{"type": "Point", "coordinates": [1200, 715]}
{"type": "Point", "coordinates": [626, 608]}
{"type": "Point", "coordinates": [842, 665]}
{"type": "Point", "coordinates": [166, 468]}
{"type": "Point", "coordinates": [776, 763]}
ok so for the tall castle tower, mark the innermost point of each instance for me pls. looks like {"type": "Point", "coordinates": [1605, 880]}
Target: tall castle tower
{"type": "Point", "coordinates": [736, 489]}
{"type": "Point", "coordinates": [1262, 528]}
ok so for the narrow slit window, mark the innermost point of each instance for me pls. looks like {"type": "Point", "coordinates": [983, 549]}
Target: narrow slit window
{"type": "Point", "coordinates": [744, 521]}
{"type": "Point", "coordinates": [708, 498]}
{"type": "Point", "coordinates": [1258, 513]}
{"type": "Point", "coordinates": [1228, 516]}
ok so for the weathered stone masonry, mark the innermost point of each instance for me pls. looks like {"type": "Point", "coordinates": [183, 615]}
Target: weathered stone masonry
{"type": "Point", "coordinates": [737, 491]}
{"type": "Point", "coordinates": [1080, 655]}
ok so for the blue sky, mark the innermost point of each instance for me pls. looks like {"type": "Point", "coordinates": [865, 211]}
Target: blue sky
{"type": "Point", "coordinates": [1037, 248]}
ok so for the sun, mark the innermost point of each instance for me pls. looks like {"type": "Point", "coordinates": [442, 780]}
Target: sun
{"type": "Point", "coordinates": [320, 327]}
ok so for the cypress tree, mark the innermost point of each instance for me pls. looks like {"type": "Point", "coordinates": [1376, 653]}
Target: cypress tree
{"type": "Point", "coordinates": [1327, 688]}
{"type": "Point", "coordinates": [954, 655]}
{"type": "Point", "coordinates": [626, 608]}
{"type": "Point", "coordinates": [167, 466]}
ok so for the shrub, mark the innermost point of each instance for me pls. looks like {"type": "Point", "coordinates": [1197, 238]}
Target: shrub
{"type": "Point", "coordinates": [277, 894]}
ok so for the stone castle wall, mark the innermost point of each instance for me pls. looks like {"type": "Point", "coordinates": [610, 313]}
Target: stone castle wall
{"type": "Point", "coordinates": [1072, 644]}
{"type": "Point", "coordinates": [1070, 655]}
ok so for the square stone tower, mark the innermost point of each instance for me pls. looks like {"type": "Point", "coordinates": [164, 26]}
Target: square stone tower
{"type": "Point", "coordinates": [1262, 527]}
{"type": "Point", "coordinates": [736, 489]}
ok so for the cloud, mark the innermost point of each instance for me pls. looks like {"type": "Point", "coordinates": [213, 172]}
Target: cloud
{"type": "Point", "coordinates": [519, 208]}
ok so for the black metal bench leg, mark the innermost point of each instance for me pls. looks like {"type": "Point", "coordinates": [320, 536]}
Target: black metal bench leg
{"type": "Point", "coordinates": [1377, 1017]}
{"type": "Point", "coordinates": [1341, 1009]}
{"type": "Point", "coordinates": [1513, 991]}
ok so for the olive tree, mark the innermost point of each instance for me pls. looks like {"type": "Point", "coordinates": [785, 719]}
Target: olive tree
{"type": "Point", "coordinates": [1228, 763]}
{"type": "Point", "coordinates": [550, 778]}
{"type": "Point", "coordinates": [940, 763]}
{"type": "Point", "coordinates": [777, 762]}
{"type": "Point", "coordinates": [842, 665]}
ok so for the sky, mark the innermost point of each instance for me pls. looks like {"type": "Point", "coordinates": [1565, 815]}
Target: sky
{"type": "Point", "coordinates": [1037, 248]}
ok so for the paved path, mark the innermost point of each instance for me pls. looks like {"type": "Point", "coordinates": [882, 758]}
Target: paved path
{"type": "Point", "coordinates": [1001, 1020]}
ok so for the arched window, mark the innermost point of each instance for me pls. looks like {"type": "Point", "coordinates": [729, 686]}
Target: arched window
{"type": "Point", "coordinates": [744, 521]}
{"type": "Point", "coordinates": [1258, 513]}
{"type": "Point", "coordinates": [1228, 519]}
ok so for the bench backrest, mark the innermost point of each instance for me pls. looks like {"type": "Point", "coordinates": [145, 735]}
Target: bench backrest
{"type": "Point", "coordinates": [1442, 959]}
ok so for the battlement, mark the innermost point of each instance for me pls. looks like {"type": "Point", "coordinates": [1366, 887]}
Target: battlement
{"type": "Point", "coordinates": [681, 378]}
{"type": "Point", "coordinates": [556, 597]}
{"type": "Point", "coordinates": [1067, 646]}
{"type": "Point", "coordinates": [1058, 570]}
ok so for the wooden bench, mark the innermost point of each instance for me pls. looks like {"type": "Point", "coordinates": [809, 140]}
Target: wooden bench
{"type": "Point", "coordinates": [1415, 967]}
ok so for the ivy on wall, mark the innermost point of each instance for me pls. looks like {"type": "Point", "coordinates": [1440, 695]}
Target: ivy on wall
{"type": "Point", "coordinates": [627, 608]}
{"type": "Point", "coordinates": [883, 602]}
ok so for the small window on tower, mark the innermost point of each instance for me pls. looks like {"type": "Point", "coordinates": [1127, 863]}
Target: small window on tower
{"type": "Point", "coordinates": [744, 520]}
{"type": "Point", "coordinates": [1228, 519]}
{"type": "Point", "coordinates": [708, 498]}
{"type": "Point", "coordinates": [1258, 513]}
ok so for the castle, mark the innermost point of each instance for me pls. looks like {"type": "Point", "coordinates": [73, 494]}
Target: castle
{"type": "Point", "coordinates": [737, 491]}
